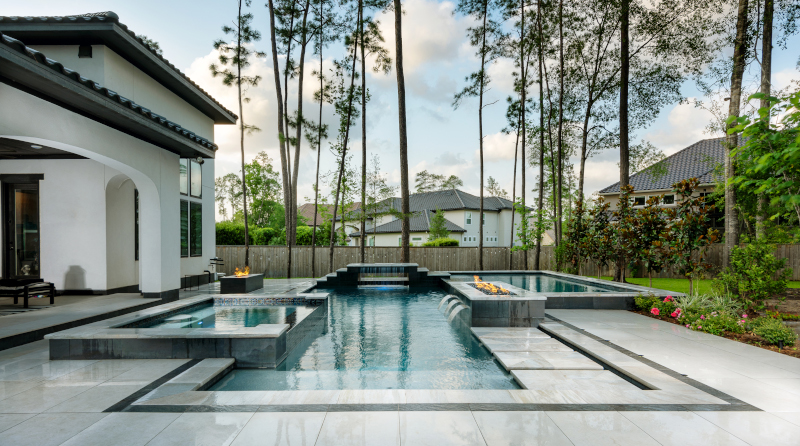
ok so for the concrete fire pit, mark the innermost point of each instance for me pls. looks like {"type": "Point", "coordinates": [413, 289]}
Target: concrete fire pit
{"type": "Point", "coordinates": [241, 284]}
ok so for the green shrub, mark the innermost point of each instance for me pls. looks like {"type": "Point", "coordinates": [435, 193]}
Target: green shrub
{"type": "Point", "coordinates": [262, 236]}
{"type": "Point", "coordinates": [442, 242]}
{"type": "Point", "coordinates": [230, 233]}
{"type": "Point", "coordinates": [773, 331]}
{"type": "Point", "coordinates": [753, 275]}
{"type": "Point", "coordinates": [715, 323]}
{"type": "Point", "coordinates": [645, 303]}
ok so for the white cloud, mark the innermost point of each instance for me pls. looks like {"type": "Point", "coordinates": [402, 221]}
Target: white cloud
{"type": "Point", "coordinates": [498, 147]}
{"type": "Point", "coordinates": [686, 125]}
{"type": "Point", "coordinates": [785, 78]}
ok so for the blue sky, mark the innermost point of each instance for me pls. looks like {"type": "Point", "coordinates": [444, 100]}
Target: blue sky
{"type": "Point", "coordinates": [437, 58]}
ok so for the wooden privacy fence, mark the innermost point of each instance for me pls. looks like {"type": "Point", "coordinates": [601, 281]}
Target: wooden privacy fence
{"type": "Point", "coordinates": [272, 260]}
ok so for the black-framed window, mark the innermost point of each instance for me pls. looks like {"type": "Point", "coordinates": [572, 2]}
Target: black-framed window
{"type": "Point", "coordinates": [196, 229]}
{"type": "Point", "coordinates": [638, 201]}
{"type": "Point", "coordinates": [136, 223]}
{"type": "Point", "coordinates": [184, 175]}
{"type": "Point", "coordinates": [195, 179]}
{"type": "Point", "coordinates": [184, 228]}
{"type": "Point", "coordinates": [669, 199]}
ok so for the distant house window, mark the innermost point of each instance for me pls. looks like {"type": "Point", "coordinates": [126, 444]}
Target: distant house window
{"type": "Point", "coordinates": [184, 228]}
{"type": "Point", "coordinates": [483, 218]}
{"type": "Point", "coordinates": [85, 52]}
{"type": "Point", "coordinates": [196, 229]}
{"type": "Point", "coordinates": [416, 239]}
{"type": "Point", "coordinates": [469, 218]}
{"type": "Point", "coordinates": [136, 223]}
{"type": "Point", "coordinates": [196, 176]}
{"type": "Point", "coordinates": [669, 199]}
{"type": "Point", "coordinates": [638, 201]}
{"type": "Point", "coordinates": [184, 176]}
{"type": "Point", "coordinates": [399, 241]}
{"type": "Point", "coordinates": [372, 241]}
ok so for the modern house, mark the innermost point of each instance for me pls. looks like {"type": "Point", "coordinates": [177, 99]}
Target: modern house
{"type": "Point", "coordinates": [700, 160]}
{"type": "Point", "coordinates": [461, 212]}
{"type": "Point", "coordinates": [107, 157]}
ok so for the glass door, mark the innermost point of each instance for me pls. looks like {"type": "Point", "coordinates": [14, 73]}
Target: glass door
{"type": "Point", "coordinates": [22, 231]}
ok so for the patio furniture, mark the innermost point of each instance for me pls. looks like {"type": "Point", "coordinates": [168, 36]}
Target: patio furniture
{"type": "Point", "coordinates": [26, 288]}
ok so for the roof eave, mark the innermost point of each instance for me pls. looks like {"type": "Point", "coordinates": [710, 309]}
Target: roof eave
{"type": "Point", "coordinates": [29, 75]}
{"type": "Point", "coordinates": [123, 43]}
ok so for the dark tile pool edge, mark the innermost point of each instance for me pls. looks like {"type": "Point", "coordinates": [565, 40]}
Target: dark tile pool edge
{"type": "Point", "coordinates": [429, 407]}
{"type": "Point", "coordinates": [733, 401]}
{"type": "Point", "coordinates": [126, 402]}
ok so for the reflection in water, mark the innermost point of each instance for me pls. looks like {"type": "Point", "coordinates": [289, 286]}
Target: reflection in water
{"type": "Point", "coordinates": [209, 316]}
{"type": "Point", "coordinates": [382, 339]}
{"type": "Point", "coordinates": [543, 283]}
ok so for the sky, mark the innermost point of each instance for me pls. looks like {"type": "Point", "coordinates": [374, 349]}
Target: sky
{"type": "Point", "coordinates": [437, 57]}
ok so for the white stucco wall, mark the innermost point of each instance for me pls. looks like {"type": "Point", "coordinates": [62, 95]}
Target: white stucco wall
{"type": "Point", "coordinates": [112, 71]}
{"type": "Point", "coordinates": [153, 170]}
{"type": "Point", "coordinates": [72, 222]}
{"type": "Point", "coordinates": [122, 270]}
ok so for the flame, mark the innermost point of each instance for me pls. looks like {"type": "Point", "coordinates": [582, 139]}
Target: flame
{"type": "Point", "coordinates": [242, 272]}
{"type": "Point", "coordinates": [488, 287]}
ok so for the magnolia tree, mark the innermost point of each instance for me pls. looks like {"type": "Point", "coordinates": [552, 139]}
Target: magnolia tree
{"type": "Point", "coordinates": [598, 242]}
{"type": "Point", "coordinates": [530, 230]}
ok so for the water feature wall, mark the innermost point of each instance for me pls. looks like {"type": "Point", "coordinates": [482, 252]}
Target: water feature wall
{"type": "Point", "coordinates": [382, 275]}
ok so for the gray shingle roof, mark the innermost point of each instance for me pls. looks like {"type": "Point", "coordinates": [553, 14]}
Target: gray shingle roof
{"type": "Point", "coordinates": [698, 160]}
{"type": "Point", "coordinates": [110, 17]}
{"type": "Point", "coordinates": [16, 45]}
{"type": "Point", "coordinates": [419, 223]}
{"type": "Point", "coordinates": [449, 200]}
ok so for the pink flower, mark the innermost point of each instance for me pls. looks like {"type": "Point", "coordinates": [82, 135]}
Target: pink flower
{"type": "Point", "coordinates": [702, 317]}
{"type": "Point", "coordinates": [677, 313]}
{"type": "Point", "coordinates": [654, 311]}
{"type": "Point", "coordinates": [700, 327]}
{"type": "Point", "coordinates": [687, 325]}
{"type": "Point", "coordinates": [744, 316]}
{"type": "Point", "coordinates": [668, 299]}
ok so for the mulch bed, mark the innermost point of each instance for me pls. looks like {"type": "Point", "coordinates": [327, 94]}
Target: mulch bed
{"type": "Point", "coordinates": [747, 338]}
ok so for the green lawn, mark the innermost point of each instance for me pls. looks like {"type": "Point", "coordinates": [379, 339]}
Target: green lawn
{"type": "Point", "coordinates": [682, 285]}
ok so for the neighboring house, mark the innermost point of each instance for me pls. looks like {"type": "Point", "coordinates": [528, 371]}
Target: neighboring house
{"type": "Point", "coordinates": [461, 210]}
{"type": "Point", "coordinates": [700, 160]}
{"type": "Point", "coordinates": [108, 159]}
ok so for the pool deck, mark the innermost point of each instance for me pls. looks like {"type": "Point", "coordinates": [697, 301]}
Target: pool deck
{"type": "Point", "coordinates": [752, 396]}
{"type": "Point", "coordinates": [65, 402]}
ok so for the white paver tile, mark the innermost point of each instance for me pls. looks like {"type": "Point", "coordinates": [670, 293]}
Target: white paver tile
{"type": "Point", "coordinates": [123, 429]}
{"type": "Point", "coordinates": [206, 429]}
{"type": "Point", "coordinates": [49, 429]}
{"type": "Point", "coordinates": [600, 428]}
{"type": "Point", "coordinates": [756, 428]}
{"type": "Point", "coordinates": [360, 429]}
{"type": "Point", "coordinates": [546, 361]}
{"type": "Point", "coordinates": [281, 428]}
{"type": "Point", "coordinates": [519, 428]}
{"type": "Point", "coordinates": [439, 428]}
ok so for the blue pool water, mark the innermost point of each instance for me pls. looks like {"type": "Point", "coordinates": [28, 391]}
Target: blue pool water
{"type": "Point", "coordinates": [544, 283]}
{"type": "Point", "coordinates": [209, 316]}
{"type": "Point", "coordinates": [381, 339]}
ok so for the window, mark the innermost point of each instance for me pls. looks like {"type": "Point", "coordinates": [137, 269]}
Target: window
{"type": "Point", "coordinates": [196, 227]}
{"type": "Point", "coordinates": [400, 241]}
{"type": "Point", "coordinates": [184, 228]}
{"type": "Point", "coordinates": [184, 176]}
{"type": "Point", "coordinates": [483, 218]}
{"type": "Point", "coordinates": [469, 218]}
{"type": "Point", "coordinates": [136, 223]}
{"type": "Point", "coordinates": [416, 239]}
{"type": "Point", "coordinates": [638, 201]}
{"type": "Point", "coordinates": [196, 175]}
{"type": "Point", "coordinates": [372, 241]}
{"type": "Point", "coordinates": [669, 199]}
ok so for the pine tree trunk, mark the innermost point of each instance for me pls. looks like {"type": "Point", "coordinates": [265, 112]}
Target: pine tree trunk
{"type": "Point", "coordinates": [288, 210]}
{"type": "Point", "coordinates": [319, 150]}
{"type": "Point", "coordinates": [624, 168]}
{"type": "Point", "coordinates": [401, 110]}
{"type": "Point", "coordinates": [363, 139]}
{"type": "Point", "coordinates": [560, 119]}
{"type": "Point", "coordinates": [540, 204]}
{"type": "Point", "coordinates": [766, 84]}
{"type": "Point", "coordinates": [344, 147]}
{"type": "Point", "coordinates": [241, 142]}
{"type": "Point", "coordinates": [513, 202]}
{"type": "Point", "coordinates": [523, 75]}
{"type": "Point", "coordinates": [731, 213]}
{"type": "Point", "coordinates": [480, 133]}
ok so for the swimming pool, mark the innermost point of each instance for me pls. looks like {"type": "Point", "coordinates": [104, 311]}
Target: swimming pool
{"type": "Point", "coordinates": [381, 339]}
{"type": "Point", "coordinates": [210, 316]}
{"type": "Point", "coordinates": [544, 283]}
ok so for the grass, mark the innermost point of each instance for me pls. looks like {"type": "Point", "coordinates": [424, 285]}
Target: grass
{"type": "Point", "coordinates": [682, 285]}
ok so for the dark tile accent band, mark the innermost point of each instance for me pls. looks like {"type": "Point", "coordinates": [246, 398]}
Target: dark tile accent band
{"type": "Point", "coordinates": [130, 399]}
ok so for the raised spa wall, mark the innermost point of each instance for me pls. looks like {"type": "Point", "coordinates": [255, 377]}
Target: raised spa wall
{"type": "Point", "coordinates": [522, 309]}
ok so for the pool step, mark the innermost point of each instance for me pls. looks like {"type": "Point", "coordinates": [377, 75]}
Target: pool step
{"type": "Point", "coordinates": [381, 274]}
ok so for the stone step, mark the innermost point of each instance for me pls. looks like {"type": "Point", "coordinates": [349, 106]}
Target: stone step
{"type": "Point", "coordinates": [546, 361]}
{"type": "Point", "coordinates": [524, 345]}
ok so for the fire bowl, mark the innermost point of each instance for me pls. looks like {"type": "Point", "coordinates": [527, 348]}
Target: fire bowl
{"type": "Point", "coordinates": [241, 284]}
{"type": "Point", "coordinates": [490, 289]}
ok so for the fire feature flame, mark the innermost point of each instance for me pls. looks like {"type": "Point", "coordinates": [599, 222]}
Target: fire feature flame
{"type": "Point", "coordinates": [242, 272]}
{"type": "Point", "coordinates": [488, 287]}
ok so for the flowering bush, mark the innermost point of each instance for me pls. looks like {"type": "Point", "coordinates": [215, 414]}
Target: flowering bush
{"type": "Point", "coordinates": [654, 311]}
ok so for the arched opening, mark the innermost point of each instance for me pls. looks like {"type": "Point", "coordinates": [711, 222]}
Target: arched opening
{"type": "Point", "coordinates": [122, 250]}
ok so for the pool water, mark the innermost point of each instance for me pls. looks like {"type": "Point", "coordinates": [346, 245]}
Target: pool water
{"type": "Point", "coordinates": [209, 316]}
{"type": "Point", "coordinates": [381, 339]}
{"type": "Point", "coordinates": [542, 283]}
